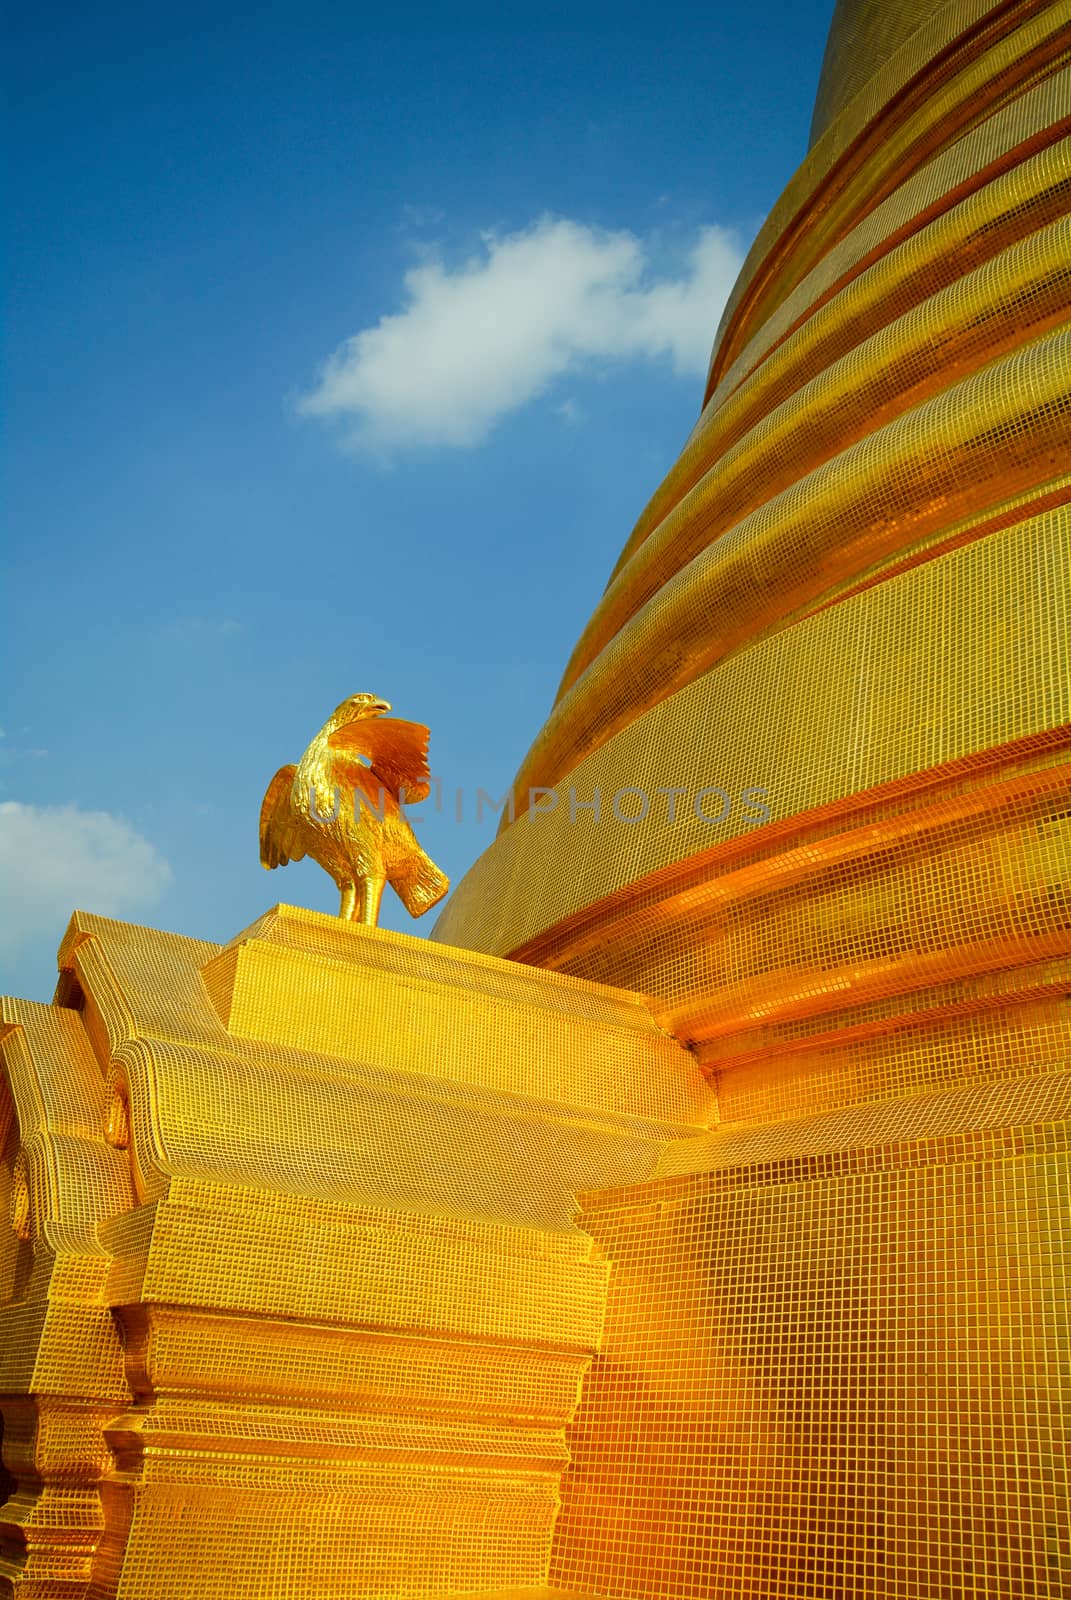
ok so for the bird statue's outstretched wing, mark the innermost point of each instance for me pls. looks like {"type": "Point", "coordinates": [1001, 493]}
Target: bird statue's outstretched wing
{"type": "Point", "coordinates": [280, 829]}
{"type": "Point", "coordinates": [396, 752]}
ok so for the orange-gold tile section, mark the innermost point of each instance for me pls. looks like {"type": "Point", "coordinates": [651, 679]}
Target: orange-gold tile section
{"type": "Point", "coordinates": [836, 1371]}
{"type": "Point", "coordinates": [292, 1299]}
{"type": "Point", "coordinates": [947, 674]}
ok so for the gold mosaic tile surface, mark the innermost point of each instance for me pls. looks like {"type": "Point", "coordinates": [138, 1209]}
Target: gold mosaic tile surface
{"type": "Point", "coordinates": [295, 1299]}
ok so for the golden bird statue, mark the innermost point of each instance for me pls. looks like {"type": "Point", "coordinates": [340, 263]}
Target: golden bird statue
{"type": "Point", "coordinates": [344, 805]}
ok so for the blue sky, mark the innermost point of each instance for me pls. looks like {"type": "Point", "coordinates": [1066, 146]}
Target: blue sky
{"type": "Point", "coordinates": [339, 355]}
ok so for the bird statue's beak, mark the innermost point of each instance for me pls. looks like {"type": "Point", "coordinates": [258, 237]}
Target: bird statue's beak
{"type": "Point", "coordinates": [381, 706]}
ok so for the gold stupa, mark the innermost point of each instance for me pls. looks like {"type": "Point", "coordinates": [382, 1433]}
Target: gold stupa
{"type": "Point", "coordinates": [691, 1219]}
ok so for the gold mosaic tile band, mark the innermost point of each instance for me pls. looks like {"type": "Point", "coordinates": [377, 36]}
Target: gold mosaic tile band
{"type": "Point", "coordinates": [996, 184]}
{"type": "Point", "coordinates": [1012, 297]}
{"type": "Point", "coordinates": [843, 702]}
{"type": "Point", "coordinates": [995, 432]}
{"type": "Point", "coordinates": [925, 96]}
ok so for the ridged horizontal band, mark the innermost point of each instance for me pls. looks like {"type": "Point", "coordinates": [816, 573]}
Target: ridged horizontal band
{"type": "Point", "coordinates": [946, 662]}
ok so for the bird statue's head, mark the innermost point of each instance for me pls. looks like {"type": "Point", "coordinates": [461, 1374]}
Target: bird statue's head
{"type": "Point", "coordinates": [358, 708]}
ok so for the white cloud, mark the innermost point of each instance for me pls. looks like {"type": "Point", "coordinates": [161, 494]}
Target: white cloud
{"type": "Point", "coordinates": [474, 344]}
{"type": "Point", "coordinates": [56, 858]}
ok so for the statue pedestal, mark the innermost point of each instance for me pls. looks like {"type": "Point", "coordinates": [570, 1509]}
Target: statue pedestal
{"type": "Point", "coordinates": [299, 1235]}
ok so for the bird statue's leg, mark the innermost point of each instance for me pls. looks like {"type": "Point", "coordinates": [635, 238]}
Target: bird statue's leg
{"type": "Point", "coordinates": [371, 895]}
{"type": "Point", "coordinates": [349, 901]}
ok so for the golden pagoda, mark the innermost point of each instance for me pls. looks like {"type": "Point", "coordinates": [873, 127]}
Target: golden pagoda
{"type": "Point", "coordinates": [690, 1218]}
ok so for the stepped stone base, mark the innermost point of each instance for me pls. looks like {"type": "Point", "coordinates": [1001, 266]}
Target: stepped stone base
{"type": "Point", "coordinates": [293, 1222]}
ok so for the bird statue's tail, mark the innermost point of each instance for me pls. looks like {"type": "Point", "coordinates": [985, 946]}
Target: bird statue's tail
{"type": "Point", "coordinates": [420, 885]}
